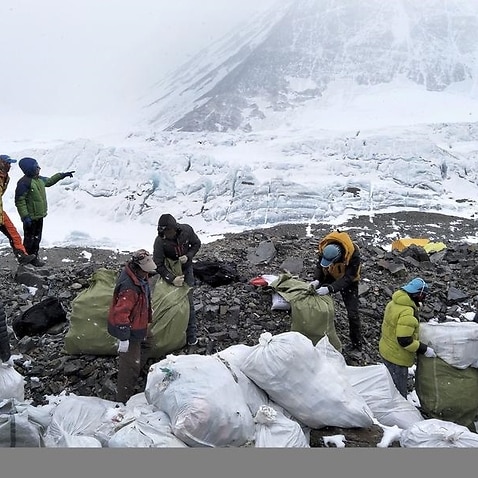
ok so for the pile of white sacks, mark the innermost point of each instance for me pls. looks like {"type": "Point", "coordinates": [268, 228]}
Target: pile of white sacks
{"type": "Point", "coordinates": [267, 395]}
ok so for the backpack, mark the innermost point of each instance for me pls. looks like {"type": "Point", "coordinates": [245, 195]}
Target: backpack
{"type": "Point", "coordinates": [39, 318]}
{"type": "Point", "coordinates": [215, 273]}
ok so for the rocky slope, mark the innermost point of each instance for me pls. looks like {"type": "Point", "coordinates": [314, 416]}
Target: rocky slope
{"type": "Point", "coordinates": [240, 312]}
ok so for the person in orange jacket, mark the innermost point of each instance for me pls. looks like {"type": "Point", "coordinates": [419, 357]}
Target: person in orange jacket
{"type": "Point", "coordinates": [6, 225]}
{"type": "Point", "coordinates": [338, 270]}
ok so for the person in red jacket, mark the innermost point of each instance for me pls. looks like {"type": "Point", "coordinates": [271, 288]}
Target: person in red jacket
{"type": "Point", "coordinates": [129, 315]}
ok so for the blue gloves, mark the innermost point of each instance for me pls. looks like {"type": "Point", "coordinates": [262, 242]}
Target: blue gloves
{"type": "Point", "coordinates": [68, 174]}
{"type": "Point", "coordinates": [27, 221]}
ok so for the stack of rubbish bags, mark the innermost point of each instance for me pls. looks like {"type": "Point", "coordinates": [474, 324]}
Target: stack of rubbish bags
{"type": "Point", "coordinates": [271, 394]}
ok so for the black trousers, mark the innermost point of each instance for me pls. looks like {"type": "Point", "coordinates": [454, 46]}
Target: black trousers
{"type": "Point", "coordinates": [32, 236]}
{"type": "Point", "coordinates": [351, 301]}
{"type": "Point", "coordinates": [191, 331]}
{"type": "Point", "coordinates": [399, 374]}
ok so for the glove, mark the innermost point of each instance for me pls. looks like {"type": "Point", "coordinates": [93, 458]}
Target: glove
{"type": "Point", "coordinates": [183, 259]}
{"type": "Point", "coordinates": [27, 221]}
{"type": "Point", "coordinates": [315, 284]}
{"type": "Point", "coordinates": [123, 346]}
{"type": "Point", "coordinates": [430, 353]}
{"type": "Point", "coordinates": [68, 174]}
{"type": "Point", "coordinates": [178, 281]}
{"type": "Point", "coordinates": [323, 290]}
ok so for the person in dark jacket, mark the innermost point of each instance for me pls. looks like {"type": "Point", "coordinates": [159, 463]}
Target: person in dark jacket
{"type": "Point", "coordinates": [31, 203]}
{"type": "Point", "coordinates": [178, 242]}
{"type": "Point", "coordinates": [129, 316]}
{"type": "Point", "coordinates": [338, 270]}
{"type": "Point", "coordinates": [6, 225]}
{"type": "Point", "coordinates": [5, 351]}
{"type": "Point", "coordinates": [399, 344]}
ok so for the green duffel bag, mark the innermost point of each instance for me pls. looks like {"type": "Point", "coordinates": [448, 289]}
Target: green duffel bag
{"type": "Point", "coordinates": [170, 316]}
{"type": "Point", "coordinates": [87, 333]}
{"type": "Point", "coordinates": [446, 392]}
{"type": "Point", "coordinates": [312, 315]}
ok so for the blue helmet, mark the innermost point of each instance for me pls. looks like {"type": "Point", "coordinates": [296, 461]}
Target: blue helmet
{"type": "Point", "coordinates": [330, 254]}
{"type": "Point", "coordinates": [416, 286]}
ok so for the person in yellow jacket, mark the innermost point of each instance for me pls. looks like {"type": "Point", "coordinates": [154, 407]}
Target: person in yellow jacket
{"type": "Point", "coordinates": [338, 270]}
{"type": "Point", "coordinates": [399, 344]}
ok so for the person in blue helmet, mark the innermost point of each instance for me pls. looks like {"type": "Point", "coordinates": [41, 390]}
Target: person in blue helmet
{"type": "Point", "coordinates": [338, 270]}
{"type": "Point", "coordinates": [31, 203]}
{"type": "Point", "coordinates": [399, 343]}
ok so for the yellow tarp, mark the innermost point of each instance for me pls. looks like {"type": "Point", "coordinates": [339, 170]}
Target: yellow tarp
{"type": "Point", "coordinates": [403, 243]}
{"type": "Point", "coordinates": [434, 246]}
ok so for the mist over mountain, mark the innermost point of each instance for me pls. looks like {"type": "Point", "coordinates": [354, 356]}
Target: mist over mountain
{"type": "Point", "coordinates": [290, 56]}
{"type": "Point", "coordinates": [313, 111]}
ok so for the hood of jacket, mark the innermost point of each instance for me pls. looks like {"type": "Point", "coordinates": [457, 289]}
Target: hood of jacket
{"type": "Point", "coordinates": [167, 221]}
{"type": "Point", "coordinates": [28, 166]}
{"type": "Point", "coordinates": [402, 298]}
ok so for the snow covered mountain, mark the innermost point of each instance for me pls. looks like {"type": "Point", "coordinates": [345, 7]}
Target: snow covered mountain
{"type": "Point", "coordinates": [288, 59]}
{"type": "Point", "coordinates": [314, 111]}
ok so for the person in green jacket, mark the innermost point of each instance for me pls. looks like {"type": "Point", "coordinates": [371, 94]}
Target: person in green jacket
{"type": "Point", "coordinates": [399, 344]}
{"type": "Point", "coordinates": [31, 203]}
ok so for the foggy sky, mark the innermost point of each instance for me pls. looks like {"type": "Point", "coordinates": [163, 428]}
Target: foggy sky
{"type": "Point", "coordinates": [69, 57]}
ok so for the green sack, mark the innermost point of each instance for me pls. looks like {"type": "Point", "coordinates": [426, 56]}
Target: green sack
{"type": "Point", "coordinates": [446, 392]}
{"type": "Point", "coordinates": [312, 315]}
{"type": "Point", "coordinates": [87, 333]}
{"type": "Point", "coordinates": [170, 315]}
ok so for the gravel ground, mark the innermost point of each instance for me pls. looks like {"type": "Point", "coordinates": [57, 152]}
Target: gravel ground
{"type": "Point", "coordinates": [239, 312]}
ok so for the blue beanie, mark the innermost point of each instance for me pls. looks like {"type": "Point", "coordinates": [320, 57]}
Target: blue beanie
{"type": "Point", "coordinates": [28, 166]}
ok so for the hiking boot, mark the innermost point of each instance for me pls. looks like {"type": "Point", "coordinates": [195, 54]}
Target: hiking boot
{"type": "Point", "coordinates": [354, 350]}
{"type": "Point", "coordinates": [37, 262]}
{"type": "Point", "coordinates": [23, 258]}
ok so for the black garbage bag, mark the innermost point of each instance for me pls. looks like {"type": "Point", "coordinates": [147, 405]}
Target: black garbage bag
{"type": "Point", "coordinates": [215, 273]}
{"type": "Point", "coordinates": [39, 318]}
